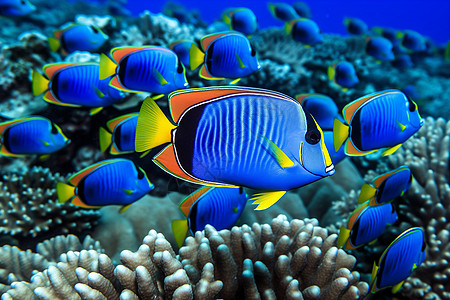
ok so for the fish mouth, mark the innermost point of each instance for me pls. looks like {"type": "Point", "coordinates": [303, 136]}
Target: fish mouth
{"type": "Point", "coordinates": [329, 170]}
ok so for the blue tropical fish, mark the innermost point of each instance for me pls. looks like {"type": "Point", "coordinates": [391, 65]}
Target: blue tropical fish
{"type": "Point", "coordinates": [241, 19]}
{"type": "Point", "coordinates": [119, 135]}
{"type": "Point", "coordinates": [182, 48]}
{"type": "Point", "coordinates": [302, 9]}
{"type": "Point", "coordinates": [388, 33]}
{"type": "Point", "coordinates": [224, 55]}
{"type": "Point", "coordinates": [413, 41]}
{"type": "Point", "coordinates": [386, 187]}
{"type": "Point", "coordinates": [304, 30]}
{"type": "Point", "coordinates": [109, 182]}
{"type": "Point", "coordinates": [15, 8]}
{"type": "Point", "coordinates": [77, 37]}
{"type": "Point", "coordinates": [283, 11]}
{"type": "Point", "coordinates": [236, 136]}
{"type": "Point", "coordinates": [151, 69]}
{"type": "Point", "coordinates": [402, 61]}
{"type": "Point", "coordinates": [75, 85]}
{"type": "Point", "coordinates": [399, 260]}
{"type": "Point", "coordinates": [365, 225]}
{"type": "Point", "coordinates": [356, 26]}
{"type": "Point", "coordinates": [343, 73]}
{"type": "Point", "coordinates": [220, 207]}
{"type": "Point", "coordinates": [321, 107]}
{"type": "Point", "coordinates": [380, 120]}
{"type": "Point", "coordinates": [380, 48]}
{"type": "Point", "coordinates": [32, 135]}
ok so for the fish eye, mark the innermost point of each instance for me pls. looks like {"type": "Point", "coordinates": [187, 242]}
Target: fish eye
{"type": "Point", "coordinates": [180, 68]}
{"type": "Point", "coordinates": [23, 2]}
{"type": "Point", "coordinates": [54, 129]}
{"type": "Point", "coordinates": [312, 136]}
{"type": "Point", "coordinates": [412, 104]}
{"type": "Point", "coordinates": [94, 29]}
{"type": "Point", "coordinates": [141, 173]}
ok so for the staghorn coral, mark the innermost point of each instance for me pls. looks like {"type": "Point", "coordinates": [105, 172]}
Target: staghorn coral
{"type": "Point", "coordinates": [29, 206]}
{"type": "Point", "coordinates": [260, 261]}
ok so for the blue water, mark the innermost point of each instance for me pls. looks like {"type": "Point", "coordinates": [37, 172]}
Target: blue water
{"type": "Point", "coordinates": [430, 18]}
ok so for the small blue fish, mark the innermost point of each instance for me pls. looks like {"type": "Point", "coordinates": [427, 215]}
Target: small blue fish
{"type": "Point", "coordinates": [236, 136]}
{"type": "Point", "coordinates": [283, 11]}
{"type": "Point", "coordinates": [75, 85]}
{"type": "Point", "coordinates": [241, 19]}
{"type": "Point", "coordinates": [343, 73]}
{"type": "Point", "coordinates": [388, 33]}
{"type": "Point", "coordinates": [356, 26]}
{"type": "Point", "coordinates": [413, 41]}
{"type": "Point", "coordinates": [182, 48]}
{"type": "Point", "coordinates": [77, 37]}
{"type": "Point", "coordinates": [304, 30]}
{"type": "Point", "coordinates": [380, 48]}
{"type": "Point", "coordinates": [220, 207]}
{"type": "Point", "coordinates": [109, 182]}
{"type": "Point", "coordinates": [365, 225]}
{"type": "Point", "coordinates": [321, 107]}
{"type": "Point", "coordinates": [386, 187]}
{"type": "Point", "coordinates": [224, 55]}
{"type": "Point", "coordinates": [32, 135]}
{"type": "Point", "coordinates": [380, 120]}
{"type": "Point", "coordinates": [399, 260]}
{"type": "Point", "coordinates": [16, 8]}
{"type": "Point", "coordinates": [302, 9]}
{"type": "Point", "coordinates": [119, 135]}
{"type": "Point", "coordinates": [402, 61]}
{"type": "Point", "coordinates": [151, 69]}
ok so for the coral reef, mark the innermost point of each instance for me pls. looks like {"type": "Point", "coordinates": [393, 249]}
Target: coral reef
{"type": "Point", "coordinates": [296, 260]}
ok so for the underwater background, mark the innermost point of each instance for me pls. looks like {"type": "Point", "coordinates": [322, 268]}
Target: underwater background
{"type": "Point", "coordinates": [55, 249]}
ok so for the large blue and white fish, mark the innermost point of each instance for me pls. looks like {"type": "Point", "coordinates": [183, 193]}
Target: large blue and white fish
{"type": "Point", "coordinates": [236, 136]}
{"type": "Point", "coordinates": [413, 41]}
{"type": "Point", "coordinates": [356, 26]}
{"type": "Point", "coordinates": [119, 134]}
{"type": "Point", "coordinates": [151, 69]}
{"type": "Point", "coordinates": [109, 182]}
{"type": "Point", "coordinates": [380, 48]}
{"type": "Point", "coordinates": [223, 55]}
{"type": "Point", "coordinates": [15, 8]}
{"type": "Point", "coordinates": [283, 11]}
{"type": "Point", "coordinates": [75, 85]}
{"type": "Point", "coordinates": [365, 225]}
{"type": "Point", "coordinates": [399, 260]}
{"type": "Point", "coordinates": [77, 37]}
{"type": "Point", "coordinates": [386, 187]}
{"type": "Point", "coordinates": [304, 30]}
{"type": "Point", "coordinates": [220, 207]}
{"type": "Point", "coordinates": [380, 120]}
{"type": "Point", "coordinates": [32, 135]}
{"type": "Point", "coordinates": [241, 19]}
{"type": "Point", "coordinates": [343, 73]}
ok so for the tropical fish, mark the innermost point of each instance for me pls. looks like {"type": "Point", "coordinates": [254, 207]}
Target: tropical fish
{"type": "Point", "coordinates": [321, 107]}
{"type": "Point", "coordinates": [226, 54]}
{"type": "Point", "coordinates": [365, 225]}
{"type": "Point", "coordinates": [343, 73]}
{"type": "Point", "coordinates": [181, 49]}
{"type": "Point", "coordinates": [380, 48]}
{"type": "Point", "coordinates": [304, 30]}
{"type": "Point", "coordinates": [109, 182]}
{"type": "Point", "coordinates": [356, 26]}
{"type": "Point", "coordinates": [387, 187]}
{"type": "Point", "coordinates": [236, 136]}
{"type": "Point", "coordinates": [220, 207]}
{"type": "Point", "coordinates": [32, 135]}
{"type": "Point", "coordinates": [15, 8]}
{"type": "Point", "coordinates": [413, 41]}
{"type": "Point", "coordinates": [283, 11]}
{"type": "Point", "coordinates": [384, 119]}
{"type": "Point", "coordinates": [119, 135]}
{"type": "Point", "coordinates": [151, 69]}
{"type": "Point", "coordinates": [388, 33]}
{"type": "Point", "coordinates": [79, 37]}
{"type": "Point", "coordinates": [75, 85]}
{"type": "Point", "coordinates": [241, 19]}
{"type": "Point", "coordinates": [402, 61]}
{"type": "Point", "coordinates": [302, 9]}
{"type": "Point", "coordinates": [399, 260]}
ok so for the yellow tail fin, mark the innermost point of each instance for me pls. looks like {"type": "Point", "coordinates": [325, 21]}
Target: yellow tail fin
{"type": "Point", "coordinates": [344, 234]}
{"type": "Point", "coordinates": [105, 139]}
{"type": "Point", "coordinates": [153, 128]}
{"type": "Point", "coordinates": [65, 192]}
{"type": "Point", "coordinates": [40, 83]}
{"type": "Point", "coordinates": [196, 57]}
{"type": "Point", "coordinates": [54, 44]}
{"type": "Point", "coordinates": [179, 229]}
{"type": "Point", "coordinates": [331, 72]}
{"type": "Point", "coordinates": [367, 192]}
{"type": "Point", "coordinates": [107, 67]}
{"type": "Point", "coordinates": [340, 132]}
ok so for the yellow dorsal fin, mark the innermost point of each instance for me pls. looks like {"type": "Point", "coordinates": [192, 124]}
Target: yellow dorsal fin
{"type": "Point", "coordinates": [196, 57]}
{"type": "Point", "coordinates": [65, 192]}
{"type": "Point", "coordinates": [179, 229]}
{"type": "Point", "coordinates": [104, 139]}
{"type": "Point", "coordinates": [266, 199]}
{"type": "Point", "coordinates": [391, 150]}
{"type": "Point", "coordinates": [40, 83]}
{"type": "Point", "coordinates": [367, 192]}
{"type": "Point", "coordinates": [283, 160]}
{"type": "Point", "coordinates": [344, 234]}
{"type": "Point", "coordinates": [54, 44]}
{"type": "Point", "coordinates": [107, 67]}
{"type": "Point", "coordinates": [340, 133]}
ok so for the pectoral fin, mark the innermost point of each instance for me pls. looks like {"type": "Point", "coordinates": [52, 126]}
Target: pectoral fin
{"type": "Point", "coordinates": [127, 191]}
{"type": "Point", "coordinates": [158, 76]}
{"type": "Point", "coordinates": [124, 208]}
{"type": "Point", "coordinates": [241, 63]}
{"type": "Point", "coordinates": [397, 287]}
{"type": "Point", "coordinates": [281, 157]}
{"type": "Point", "coordinates": [391, 150]}
{"type": "Point", "coordinates": [98, 92]}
